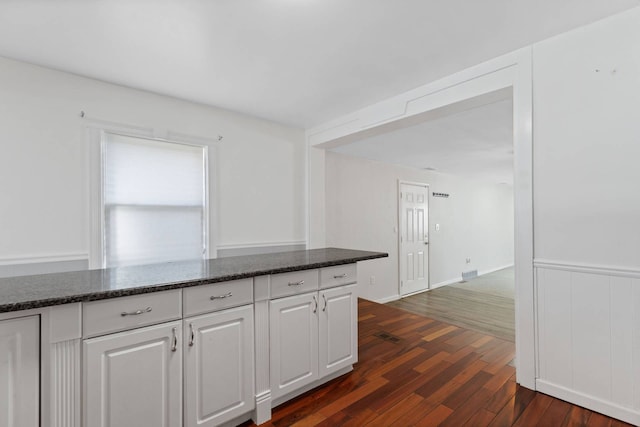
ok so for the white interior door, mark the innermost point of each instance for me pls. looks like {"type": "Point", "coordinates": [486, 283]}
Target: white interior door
{"type": "Point", "coordinates": [414, 238]}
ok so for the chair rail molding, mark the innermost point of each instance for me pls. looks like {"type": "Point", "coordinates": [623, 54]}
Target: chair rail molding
{"type": "Point", "coordinates": [579, 267]}
{"type": "Point", "coordinates": [40, 258]}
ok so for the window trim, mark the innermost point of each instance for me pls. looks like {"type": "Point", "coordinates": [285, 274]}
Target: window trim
{"type": "Point", "coordinates": [95, 131]}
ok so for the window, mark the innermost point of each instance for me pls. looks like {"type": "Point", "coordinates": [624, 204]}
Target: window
{"type": "Point", "coordinates": [154, 201]}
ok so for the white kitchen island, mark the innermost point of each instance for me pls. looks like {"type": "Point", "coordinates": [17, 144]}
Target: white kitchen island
{"type": "Point", "coordinates": [205, 343]}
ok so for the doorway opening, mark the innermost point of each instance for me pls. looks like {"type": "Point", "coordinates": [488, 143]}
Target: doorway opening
{"type": "Point", "coordinates": [455, 212]}
{"type": "Point", "coordinates": [511, 75]}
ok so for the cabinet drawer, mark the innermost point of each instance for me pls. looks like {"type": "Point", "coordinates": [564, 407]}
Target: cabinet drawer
{"type": "Point", "coordinates": [296, 282]}
{"type": "Point", "coordinates": [203, 299]}
{"type": "Point", "coordinates": [119, 314]}
{"type": "Point", "coordinates": [338, 276]}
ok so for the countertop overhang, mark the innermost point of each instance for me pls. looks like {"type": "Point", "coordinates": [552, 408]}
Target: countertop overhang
{"type": "Point", "coordinates": [29, 292]}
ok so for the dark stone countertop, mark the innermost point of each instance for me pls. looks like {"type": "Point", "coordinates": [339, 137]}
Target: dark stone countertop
{"type": "Point", "coordinates": [27, 292]}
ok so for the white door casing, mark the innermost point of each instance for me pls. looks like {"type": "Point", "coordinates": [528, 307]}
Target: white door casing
{"type": "Point", "coordinates": [20, 372]}
{"type": "Point", "coordinates": [413, 216]}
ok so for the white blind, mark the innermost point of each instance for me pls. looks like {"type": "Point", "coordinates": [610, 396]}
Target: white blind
{"type": "Point", "coordinates": [154, 199]}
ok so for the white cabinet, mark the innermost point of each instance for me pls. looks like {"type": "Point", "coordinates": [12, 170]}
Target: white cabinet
{"type": "Point", "coordinates": [20, 372]}
{"type": "Point", "coordinates": [312, 336]}
{"type": "Point", "coordinates": [338, 329]}
{"type": "Point", "coordinates": [293, 342]}
{"type": "Point", "coordinates": [218, 366]}
{"type": "Point", "coordinates": [134, 378]}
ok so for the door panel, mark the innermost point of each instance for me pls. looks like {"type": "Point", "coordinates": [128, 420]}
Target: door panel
{"type": "Point", "coordinates": [414, 238]}
{"type": "Point", "coordinates": [134, 378]}
{"type": "Point", "coordinates": [338, 329]}
{"type": "Point", "coordinates": [294, 343]}
{"type": "Point", "coordinates": [218, 366]}
{"type": "Point", "coordinates": [20, 372]}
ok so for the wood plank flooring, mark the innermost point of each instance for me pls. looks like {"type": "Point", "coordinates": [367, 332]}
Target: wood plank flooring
{"type": "Point", "coordinates": [484, 304]}
{"type": "Point", "coordinates": [417, 371]}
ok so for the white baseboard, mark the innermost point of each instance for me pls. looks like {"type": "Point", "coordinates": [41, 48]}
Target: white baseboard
{"type": "Point", "coordinates": [608, 408]}
{"type": "Point", "coordinates": [391, 298]}
{"type": "Point", "coordinates": [445, 283]}
{"type": "Point", "coordinates": [493, 270]}
{"type": "Point", "coordinates": [386, 299]}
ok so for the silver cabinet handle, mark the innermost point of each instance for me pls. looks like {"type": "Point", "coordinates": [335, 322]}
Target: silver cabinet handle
{"type": "Point", "coordinates": [192, 336]}
{"type": "Point", "coordinates": [325, 303]}
{"type": "Point", "coordinates": [315, 307]}
{"type": "Point", "coordinates": [136, 313]}
{"type": "Point", "coordinates": [174, 343]}
{"type": "Point", "coordinates": [215, 297]}
{"type": "Point", "coordinates": [300, 283]}
{"type": "Point", "coordinates": [340, 276]}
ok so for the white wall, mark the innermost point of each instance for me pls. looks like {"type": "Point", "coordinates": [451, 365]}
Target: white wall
{"type": "Point", "coordinates": [44, 165]}
{"type": "Point", "coordinates": [476, 221]}
{"type": "Point", "coordinates": [587, 144]}
{"type": "Point", "coordinates": [587, 215]}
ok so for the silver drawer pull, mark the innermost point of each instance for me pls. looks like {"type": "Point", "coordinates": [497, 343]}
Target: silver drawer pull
{"type": "Point", "coordinates": [192, 335]}
{"type": "Point", "coordinates": [300, 283]}
{"type": "Point", "coordinates": [137, 312]}
{"type": "Point", "coordinates": [174, 343]}
{"type": "Point", "coordinates": [340, 276]}
{"type": "Point", "coordinates": [215, 297]}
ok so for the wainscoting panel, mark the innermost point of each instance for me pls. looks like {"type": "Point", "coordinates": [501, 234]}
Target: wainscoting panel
{"type": "Point", "coordinates": [589, 338]}
{"type": "Point", "coordinates": [65, 380]}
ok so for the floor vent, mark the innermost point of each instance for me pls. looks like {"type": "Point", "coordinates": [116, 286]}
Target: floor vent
{"type": "Point", "coordinates": [387, 336]}
{"type": "Point", "coordinates": [472, 274]}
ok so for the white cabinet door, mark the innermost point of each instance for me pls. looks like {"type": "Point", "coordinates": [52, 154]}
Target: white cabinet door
{"type": "Point", "coordinates": [218, 366]}
{"type": "Point", "coordinates": [294, 342]}
{"type": "Point", "coordinates": [20, 372]}
{"type": "Point", "coordinates": [134, 378]}
{"type": "Point", "coordinates": [338, 329]}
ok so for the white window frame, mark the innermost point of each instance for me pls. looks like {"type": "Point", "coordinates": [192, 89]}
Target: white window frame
{"type": "Point", "coordinates": [95, 132]}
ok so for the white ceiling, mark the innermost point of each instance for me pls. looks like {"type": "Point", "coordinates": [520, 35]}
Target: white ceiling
{"type": "Point", "coordinates": [298, 62]}
{"type": "Point", "coordinates": [476, 144]}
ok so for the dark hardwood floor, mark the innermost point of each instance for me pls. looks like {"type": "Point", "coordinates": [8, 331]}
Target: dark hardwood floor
{"type": "Point", "coordinates": [484, 304]}
{"type": "Point", "coordinates": [417, 371]}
